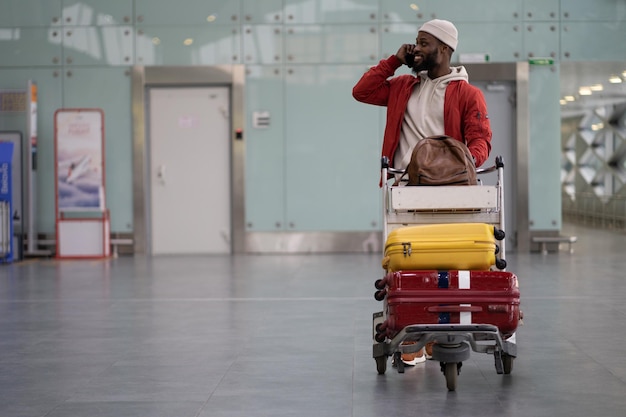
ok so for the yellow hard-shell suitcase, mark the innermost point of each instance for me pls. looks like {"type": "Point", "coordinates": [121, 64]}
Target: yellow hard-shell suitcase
{"type": "Point", "coordinates": [465, 246]}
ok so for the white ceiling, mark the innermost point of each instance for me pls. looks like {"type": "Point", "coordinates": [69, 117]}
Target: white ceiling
{"type": "Point", "coordinates": [578, 74]}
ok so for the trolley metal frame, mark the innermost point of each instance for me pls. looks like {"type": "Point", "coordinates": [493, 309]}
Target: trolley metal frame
{"type": "Point", "coordinates": [406, 206]}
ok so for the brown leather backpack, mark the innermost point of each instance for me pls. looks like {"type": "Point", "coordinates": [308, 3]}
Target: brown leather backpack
{"type": "Point", "coordinates": [441, 160]}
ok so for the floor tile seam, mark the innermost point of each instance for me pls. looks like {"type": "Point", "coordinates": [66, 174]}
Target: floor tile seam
{"type": "Point", "coordinates": [271, 299]}
{"type": "Point", "coordinates": [58, 405]}
{"type": "Point", "coordinates": [205, 404]}
{"type": "Point", "coordinates": [207, 299]}
{"type": "Point", "coordinates": [355, 364]}
{"type": "Point", "coordinates": [58, 300]}
{"type": "Point", "coordinates": [579, 347]}
{"type": "Point", "coordinates": [106, 368]}
{"type": "Point", "coordinates": [487, 380]}
{"type": "Point", "coordinates": [569, 297]}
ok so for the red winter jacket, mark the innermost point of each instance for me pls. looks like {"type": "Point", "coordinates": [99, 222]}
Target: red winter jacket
{"type": "Point", "coordinates": [465, 111]}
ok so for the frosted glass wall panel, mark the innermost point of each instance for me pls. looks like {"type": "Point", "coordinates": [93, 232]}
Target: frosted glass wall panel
{"type": "Point", "coordinates": [49, 84]}
{"type": "Point", "coordinates": [505, 39]}
{"type": "Point", "coordinates": [30, 46]}
{"type": "Point", "coordinates": [332, 44]}
{"type": "Point", "coordinates": [28, 13]}
{"type": "Point", "coordinates": [453, 10]}
{"type": "Point", "coordinates": [332, 155]}
{"type": "Point", "coordinates": [97, 12]}
{"type": "Point", "coordinates": [331, 11]}
{"type": "Point", "coordinates": [544, 184]}
{"type": "Point", "coordinates": [501, 41]}
{"type": "Point", "coordinates": [213, 12]}
{"type": "Point", "coordinates": [266, 11]}
{"type": "Point", "coordinates": [265, 149]}
{"type": "Point", "coordinates": [541, 39]}
{"type": "Point", "coordinates": [107, 45]}
{"type": "Point", "coordinates": [541, 10]}
{"type": "Point", "coordinates": [263, 44]}
{"type": "Point", "coordinates": [92, 88]}
{"type": "Point", "coordinates": [593, 10]}
{"type": "Point", "coordinates": [593, 41]}
{"type": "Point", "coordinates": [393, 35]}
{"type": "Point", "coordinates": [188, 45]}
{"type": "Point", "coordinates": [397, 11]}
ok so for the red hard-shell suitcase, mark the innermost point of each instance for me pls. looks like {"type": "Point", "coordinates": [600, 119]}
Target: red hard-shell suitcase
{"type": "Point", "coordinates": [450, 297]}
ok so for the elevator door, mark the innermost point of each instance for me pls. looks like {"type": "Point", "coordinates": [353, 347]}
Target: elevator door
{"type": "Point", "coordinates": [500, 98]}
{"type": "Point", "coordinates": [189, 165]}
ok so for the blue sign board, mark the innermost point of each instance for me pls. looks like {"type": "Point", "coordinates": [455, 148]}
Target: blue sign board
{"type": "Point", "coordinates": [6, 202]}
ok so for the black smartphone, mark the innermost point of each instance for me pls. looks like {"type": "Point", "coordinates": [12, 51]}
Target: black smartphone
{"type": "Point", "coordinates": [410, 59]}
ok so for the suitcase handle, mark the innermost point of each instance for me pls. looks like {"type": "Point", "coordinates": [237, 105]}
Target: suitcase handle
{"type": "Point", "coordinates": [455, 309]}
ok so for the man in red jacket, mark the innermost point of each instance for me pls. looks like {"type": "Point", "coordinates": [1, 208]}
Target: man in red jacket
{"type": "Point", "coordinates": [436, 100]}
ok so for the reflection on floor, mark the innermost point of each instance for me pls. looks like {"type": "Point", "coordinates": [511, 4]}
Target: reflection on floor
{"type": "Point", "coordinates": [291, 336]}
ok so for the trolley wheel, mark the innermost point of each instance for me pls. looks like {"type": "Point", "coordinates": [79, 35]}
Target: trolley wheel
{"type": "Point", "coordinates": [380, 295]}
{"type": "Point", "coordinates": [500, 263]}
{"type": "Point", "coordinates": [381, 364]}
{"type": "Point", "coordinates": [451, 373]}
{"type": "Point", "coordinates": [498, 233]}
{"type": "Point", "coordinates": [507, 363]}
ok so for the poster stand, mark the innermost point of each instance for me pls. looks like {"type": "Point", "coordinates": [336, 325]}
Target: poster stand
{"type": "Point", "coordinates": [82, 219]}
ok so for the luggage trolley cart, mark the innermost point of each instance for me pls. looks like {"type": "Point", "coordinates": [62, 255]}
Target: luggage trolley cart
{"type": "Point", "coordinates": [419, 205]}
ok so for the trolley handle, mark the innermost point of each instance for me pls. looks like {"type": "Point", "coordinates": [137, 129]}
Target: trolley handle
{"type": "Point", "coordinates": [396, 171]}
{"type": "Point", "coordinates": [499, 164]}
{"type": "Point", "coordinates": [486, 170]}
{"type": "Point", "coordinates": [384, 162]}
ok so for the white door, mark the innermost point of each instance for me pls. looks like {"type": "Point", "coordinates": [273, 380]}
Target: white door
{"type": "Point", "coordinates": [500, 98]}
{"type": "Point", "coordinates": [189, 146]}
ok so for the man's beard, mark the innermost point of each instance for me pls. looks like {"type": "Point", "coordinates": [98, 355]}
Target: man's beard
{"type": "Point", "coordinates": [426, 63]}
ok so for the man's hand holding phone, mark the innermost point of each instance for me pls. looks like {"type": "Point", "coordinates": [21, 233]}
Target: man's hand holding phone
{"type": "Point", "coordinates": [406, 54]}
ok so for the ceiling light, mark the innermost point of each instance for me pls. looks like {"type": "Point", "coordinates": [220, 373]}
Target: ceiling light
{"type": "Point", "coordinates": [188, 41]}
{"type": "Point", "coordinates": [211, 18]}
{"type": "Point", "coordinates": [414, 6]}
{"type": "Point", "coordinates": [563, 102]}
{"type": "Point", "coordinates": [596, 87]}
{"type": "Point", "coordinates": [156, 41]}
{"type": "Point", "coordinates": [569, 98]}
{"type": "Point", "coordinates": [624, 74]}
{"type": "Point", "coordinates": [584, 91]}
{"type": "Point", "coordinates": [615, 79]}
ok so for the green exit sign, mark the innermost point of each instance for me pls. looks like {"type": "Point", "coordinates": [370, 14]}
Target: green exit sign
{"type": "Point", "coordinates": [541, 61]}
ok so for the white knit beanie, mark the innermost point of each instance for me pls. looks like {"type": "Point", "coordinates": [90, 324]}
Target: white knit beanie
{"type": "Point", "coordinates": [442, 30]}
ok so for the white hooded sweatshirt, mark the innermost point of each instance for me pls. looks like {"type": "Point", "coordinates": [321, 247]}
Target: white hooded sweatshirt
{"type": "Point", "coordinates": [424, 113]}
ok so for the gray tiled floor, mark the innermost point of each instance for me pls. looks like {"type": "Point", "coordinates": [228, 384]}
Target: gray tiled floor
{"type": "Point", "coordinates": [290, 336]}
